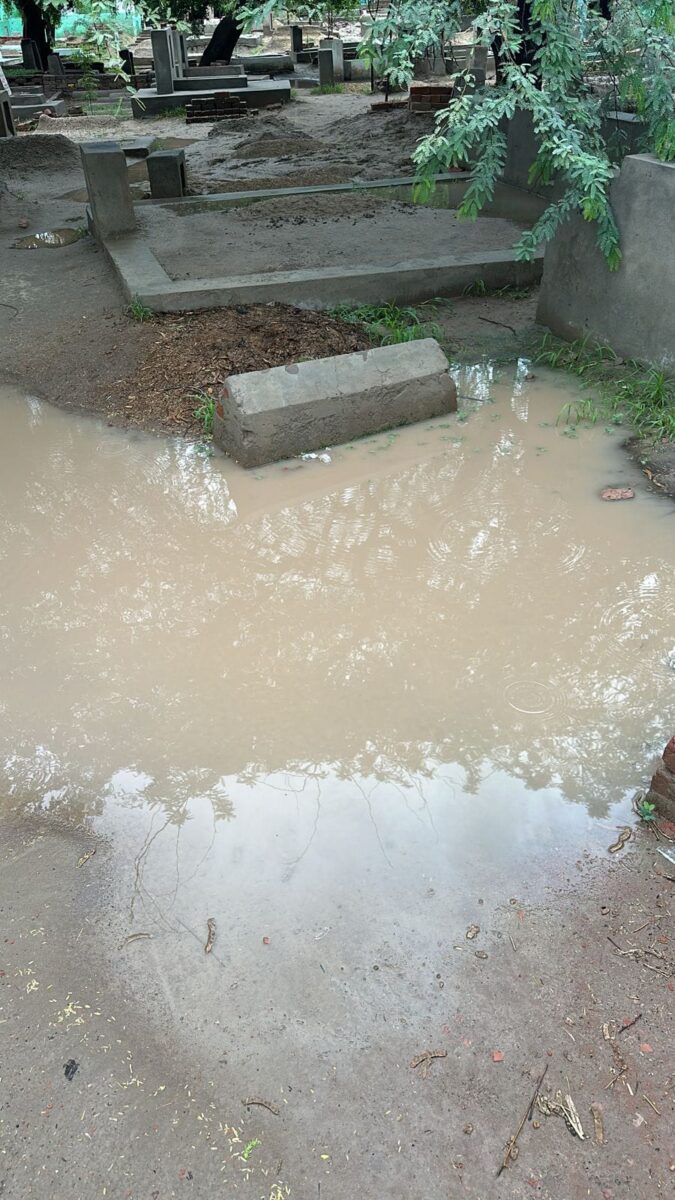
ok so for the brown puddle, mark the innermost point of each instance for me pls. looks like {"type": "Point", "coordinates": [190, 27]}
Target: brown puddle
{"type": "Point", "coordinates": [53, 239]}
{"type": "Point", "coordinates": [422, 610]}
{"type": "Point", "coordinates": [332, 706]}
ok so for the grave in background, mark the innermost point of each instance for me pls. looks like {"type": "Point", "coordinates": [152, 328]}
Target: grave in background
{"type": "Point", "coordinates": [178, 85]}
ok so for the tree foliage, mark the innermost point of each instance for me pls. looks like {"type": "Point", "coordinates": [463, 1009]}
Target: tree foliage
{"type": "Point", "coordinates": [561, 61]}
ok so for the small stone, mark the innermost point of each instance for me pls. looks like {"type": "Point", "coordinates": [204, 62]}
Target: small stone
{"type": "Point", "coordinates": [468, 1128]}
{"type": "Point", "coordinates": [472, 932]}
{"type": "Point", "coordinates": [617, 493]}
{"type": "Point", "coordinates": [536, 1124]}
{"type": "Point", "coordinates": [480, 954]}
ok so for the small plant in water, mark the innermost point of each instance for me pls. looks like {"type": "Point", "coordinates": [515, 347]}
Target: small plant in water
{"type": "Point", "coordinates": [139, 311]}
{"type": "Point", "coordinates": [387, 324]}
{"type": "Point", "coordinates": [622, 390]}
{"type": "Point", "coordinates": [204, 411]}
{"type": "Point", "coordinates": [645, 810]}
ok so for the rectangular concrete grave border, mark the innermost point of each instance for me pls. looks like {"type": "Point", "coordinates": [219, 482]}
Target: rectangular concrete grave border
{"type": "Point", "coordinates": [141, 275]}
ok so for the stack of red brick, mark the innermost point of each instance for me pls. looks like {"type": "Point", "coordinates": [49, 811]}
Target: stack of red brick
{"type": "Point", "coordinates": [662, 790]}
{"type": "Point", "coordinates": [218, 107]}
{"type": "Point", "coordinates": [429, 97]}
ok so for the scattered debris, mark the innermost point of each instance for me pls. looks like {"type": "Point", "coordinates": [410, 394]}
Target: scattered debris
{"type": "Point", "coordinates": [85, 857]}
{"type": "Point", "coordinates": [266, 941]}
{"type": "Point", "coordinates": [134, 937]}
{"type": "Point", "coordinates": [469, 1128]}
{"type": "Point", "coordinates": [620, 842]}
{"type": "Point", "coordinates": [511, 1152]}
{"type": "Point", "coordinates": [598, 1124]}
{"type": "Point", "coordinates": [497, 1055]}
{"type": "Point", "coordinates": [652, 1105]}
{"type": "Point", "coordinates": [211, 926]}
{"type": "Point", "coordinates": [645, 1048]}
{"type": "Point", "coordinates": [562, 1106]}
{"type": "Point", "coordinates": [262, 1103]}
{"type": "Point", "coordinates": [480, 953]}
{"type": "Point", "coordinates": [70, 1069]}
{"type": "Point", "coordinates": [629, 1024]}
{"type": "Point", "coordinates": [472, 932]}
{"type": "Point", "coordinates": [424, 1060]}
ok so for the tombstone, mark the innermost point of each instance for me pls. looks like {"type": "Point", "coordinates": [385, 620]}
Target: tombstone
{"type": "Point", "coordinates": [30, 55]}
{"type": "Point", "coordinates": [128, 65]}
{"type": "Point", "coordinates": [296, 39]}
{"type": "Point", "coordinates": [162, 54]}
{"type": "Point", "coordinates": [268, 24]}
{"type": "Point", "coordinates": [326, 68]}
{"type": "Point", "coordinates": [55, 66]}
{"type": "Point", "coordinates": [7, 129]}
{"type": "Point", "coordinates": [336, 48]}
{"type": "Point", "coordinates": [105, 173]}
{"type": "Point", "coordinates": [166, 172]}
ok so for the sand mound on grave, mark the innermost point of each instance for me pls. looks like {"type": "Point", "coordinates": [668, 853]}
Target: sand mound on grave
{"type": "Point", "coordinates": [324, 208]}
{"type": "Point", "coordinates": [245, 128]}
{"type": "Point", "coordinates": [25, 154]}
{"type": "Point", "coordinates": [277, 147]}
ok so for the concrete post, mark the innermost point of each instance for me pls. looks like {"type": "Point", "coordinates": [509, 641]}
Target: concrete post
{"type": "Point", "coordinates": [166, 172]}
{"type": "Point", "coordinates": [177, 54]}
{"type": "Point", "coordinates": [296, 39]}
{"type": "Point", "coordinates": [184, 52]}
{"type": "Point", "coordinates": [30, 55]}
{"type": "Point", "coordinates": [7, 129]}
{"type": "Point", "coordinates": [105, 173]}
{"type": "Point", "coordinates": [163, 60]}
{"type": "Point", "coordinates": [337, 50]}
{"type": "Point", "coordinates": [326, 68]}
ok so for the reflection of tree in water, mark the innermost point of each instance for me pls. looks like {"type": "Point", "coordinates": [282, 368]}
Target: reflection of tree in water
{"type": "Point", "coordinates": [375, 628]}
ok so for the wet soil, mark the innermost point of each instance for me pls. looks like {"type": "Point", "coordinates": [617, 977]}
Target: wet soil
{"type": "Point", "coordinates": [188, 353]}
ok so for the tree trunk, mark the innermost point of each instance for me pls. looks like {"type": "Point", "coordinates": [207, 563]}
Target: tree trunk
{"type": "Point", "coordinates": [222, 44]}
{"type": "Point", "coordinates": [38, 27]}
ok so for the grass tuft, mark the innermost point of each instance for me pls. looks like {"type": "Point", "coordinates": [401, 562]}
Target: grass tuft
{"type": "Point", "coordinates": [624, 392]}
{"type": "Point", "coordinates": [387, 324]}
{"type": "Point", "coordinates": [139, 311]}
{"type": "Point", "coordinates": [204, 411]}
{"type": "Point", "coordinates": [327, 89]}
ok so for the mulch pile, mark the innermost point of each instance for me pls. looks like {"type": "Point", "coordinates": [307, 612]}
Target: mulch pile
{"type": "Point", "coordinates": [195, 352]}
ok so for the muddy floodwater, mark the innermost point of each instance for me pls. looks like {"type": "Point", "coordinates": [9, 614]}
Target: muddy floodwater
{"type": "Point", "coordinates": [333, 705]}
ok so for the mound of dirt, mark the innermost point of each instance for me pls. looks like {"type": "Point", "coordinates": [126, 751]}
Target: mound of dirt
{"type": "Point", "coordinates": [297, 144]}
{"type": "Point", "coordinates": [195, 352]}
{"type": "Point", "coordinates": [25, 154]}
{"type": "Point", "coordinates": [329, 206]}
{"type": "Point", "coordinates": [251, 127]}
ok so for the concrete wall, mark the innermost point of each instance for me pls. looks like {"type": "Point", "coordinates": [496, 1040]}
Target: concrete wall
{"type": "Point", "coordinates": [631, 309]}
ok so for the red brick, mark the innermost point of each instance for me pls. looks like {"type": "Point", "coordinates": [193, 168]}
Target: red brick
{"type": "Point", "coordinates": [669, 754]}
{"type": "Point", "coordinates": [663, 783]}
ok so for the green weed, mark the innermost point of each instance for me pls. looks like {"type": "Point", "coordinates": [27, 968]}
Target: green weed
{"type": "Point", "coordinates": [623, 391]}
{"type": "Point", "coordinates": [327, 89]}
{"type": "Point", "coordinates": [204, 411]}
{"type": "Point", "coordinates": [477, 288]}
{"type": "Point", "coordinates": [139, 311]}
{"type": "Point", "coordinates": [249, 1148]}
{"type": "Point", "coordinates": [387, 324]}
{"type": "Point", "coordinates": [645, 810]}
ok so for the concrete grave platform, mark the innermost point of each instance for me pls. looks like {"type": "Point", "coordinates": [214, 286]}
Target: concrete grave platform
{"type": "Point", "coordinates": [265, 416]}
{"type": "Point", "coordinates": [259, 94]}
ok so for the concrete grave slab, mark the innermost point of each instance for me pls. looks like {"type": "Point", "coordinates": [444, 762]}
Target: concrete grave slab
{"type": "Point", "coordinates": [265, 416]}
